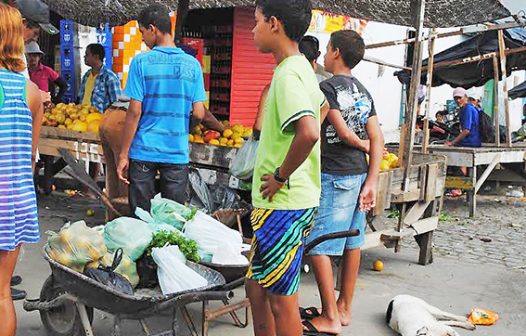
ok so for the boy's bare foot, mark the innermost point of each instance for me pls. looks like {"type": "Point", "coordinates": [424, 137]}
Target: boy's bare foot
{"type": "Point", "coordinates": [323, 324]}
{"type": "Point", "coordinates": [345, 316]}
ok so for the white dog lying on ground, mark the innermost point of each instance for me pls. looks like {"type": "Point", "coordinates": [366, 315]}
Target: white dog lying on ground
{"type": "Point", "coordinates": [411, 316]}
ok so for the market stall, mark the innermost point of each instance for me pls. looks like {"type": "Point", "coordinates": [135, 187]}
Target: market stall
{"type": "Point", "coordinates": [492, 54]}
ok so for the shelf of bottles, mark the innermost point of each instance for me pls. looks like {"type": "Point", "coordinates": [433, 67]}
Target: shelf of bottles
{"type": "Point", "coordinates": [218, 44]}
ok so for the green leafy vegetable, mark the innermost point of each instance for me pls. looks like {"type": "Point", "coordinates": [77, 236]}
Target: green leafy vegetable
{"type": "Point", "coordinates": [186, 246]}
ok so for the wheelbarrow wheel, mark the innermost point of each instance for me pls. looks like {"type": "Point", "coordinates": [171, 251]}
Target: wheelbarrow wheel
{"type": "Point", "coordinates": [64, 320]}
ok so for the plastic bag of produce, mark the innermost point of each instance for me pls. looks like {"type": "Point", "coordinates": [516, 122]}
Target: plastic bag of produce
{"type": "Point", "coordinates": [173, 273]}
{"type": "Point", "coordinates": [130, 234]}
{"type": "Point", "coordinates": [212, 236]}
{"type": "Point", "coordinates": [167, 238]}
{"type": "Point", "coordinates": [170, 212]}
{"type": "Point", "coordinates": [156, 227]}
{"type": "Point", "coordinates": [242, 166]}
{"type": "Point", "coordinates": [75, 245]}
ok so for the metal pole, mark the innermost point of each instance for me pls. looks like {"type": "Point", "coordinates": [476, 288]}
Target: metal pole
{"type": "Point", "coordinates": [502, 48]}
{"type": "Point", "coordinates": [496, 112]}
{"type": "Point", "coordinates": [408, 132]}
{"type": "Point", "coordinates": [430, 63]}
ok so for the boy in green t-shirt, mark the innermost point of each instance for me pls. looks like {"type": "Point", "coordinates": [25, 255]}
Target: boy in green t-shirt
{"type": "Point", "coordinates": [287, 184]}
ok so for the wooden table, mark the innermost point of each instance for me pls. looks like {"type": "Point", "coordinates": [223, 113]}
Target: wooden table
{"type": "Point", "coordinates": [474, 158]}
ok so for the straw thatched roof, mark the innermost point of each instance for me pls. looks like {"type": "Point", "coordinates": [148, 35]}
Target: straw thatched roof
{"type": "Point", "coordinates": [439, 13]}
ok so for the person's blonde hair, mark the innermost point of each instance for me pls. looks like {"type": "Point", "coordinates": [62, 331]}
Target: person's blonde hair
{"type": "Point", "coordinates": [11, 39]}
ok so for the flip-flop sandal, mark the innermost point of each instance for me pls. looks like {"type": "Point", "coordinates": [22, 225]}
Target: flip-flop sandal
{"type": "Point", "coordinates": [309, 313]}
{"type": "Point", "coordinates": [313, 331]}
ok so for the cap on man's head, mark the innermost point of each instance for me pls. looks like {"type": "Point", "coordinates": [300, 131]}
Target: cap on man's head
{"type": "Point", "coordinates": [33, 48]}
{"type": "Point", "coordinates": [459, 92]}
{"type": "Point", "coordinates": [37, 12]}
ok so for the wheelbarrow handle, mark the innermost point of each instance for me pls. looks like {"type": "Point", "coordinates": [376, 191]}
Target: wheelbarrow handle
{"type": "Point", "coordinates": [330, 236]}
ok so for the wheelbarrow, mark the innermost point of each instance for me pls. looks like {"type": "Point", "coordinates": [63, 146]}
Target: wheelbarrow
{"type": "Point", "coordinates": [67, 300]}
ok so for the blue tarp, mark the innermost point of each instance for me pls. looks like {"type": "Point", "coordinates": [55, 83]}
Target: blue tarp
{"type": "Point", "coordinates": [477, 73]}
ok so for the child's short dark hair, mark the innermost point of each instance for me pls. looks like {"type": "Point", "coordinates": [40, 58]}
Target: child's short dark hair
{"type": "Point", "coordinates": [97, 50]}
{"type": "Point", "coordinates": [310, 47]}
{"type": "Point", "coordinates": [295, 15]}
{"type": "Point", "coordinates": [158, 16]}
{"type": "Point", "coordinates": [351, 46]}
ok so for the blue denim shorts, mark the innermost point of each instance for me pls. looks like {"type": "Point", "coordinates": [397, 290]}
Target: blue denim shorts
{"type": "Point", "coordinates": [339, 211]}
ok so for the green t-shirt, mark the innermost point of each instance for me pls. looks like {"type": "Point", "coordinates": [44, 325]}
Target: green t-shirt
{"type": "Point", "coordinates": [293, 94]}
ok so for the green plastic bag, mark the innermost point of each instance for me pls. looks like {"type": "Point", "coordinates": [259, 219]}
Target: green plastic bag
{"type": "Point", "coordinates": [169, 212]}
{"type": "Point", "coordinates": [130, 234]}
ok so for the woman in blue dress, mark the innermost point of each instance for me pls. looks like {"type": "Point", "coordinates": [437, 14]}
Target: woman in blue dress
{"type": "Point", "coordinates": [20, 120]}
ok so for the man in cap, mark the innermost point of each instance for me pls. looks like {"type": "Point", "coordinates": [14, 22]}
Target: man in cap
{"type": "Point", "coordinates": [469, 121]}
{"type": "Point", "coordinates": [36, 17]}
{"type": "Point", "coordinates": [43, 75]}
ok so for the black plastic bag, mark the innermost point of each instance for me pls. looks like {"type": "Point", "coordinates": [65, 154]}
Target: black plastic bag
{"type": "Point", "coordinates": [108, 277]}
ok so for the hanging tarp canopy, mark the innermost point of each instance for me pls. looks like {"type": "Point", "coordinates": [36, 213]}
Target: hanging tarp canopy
{"type": "Point", "coordinates": [474, 74]}
{"type": "Point", "coordinates": [518, 92]}
{"type": "Point", "coordinates": [439, 13]}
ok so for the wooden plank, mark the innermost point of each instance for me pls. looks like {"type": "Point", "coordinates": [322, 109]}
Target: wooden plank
{"type": "Point", "coordinates": [58, 133]}
{"type": "Point", "coordinates": [91, 152]}
{"type": "Point", "coordinates": [496, 113]}
{"type": "Point", "coordinates": [416, 212]}
{"type": "Point", "coordinates": [502, 54]}
{"type": "Point", "coordinates": [486, 173]}
{"type": "Point", "coordinates": [431, 182]}
{"type": "Point", "coordinates": [459, 182]}
{"type": "Point", "coordinates": [404, 197]}
{"type": "Point", "coordinates": [425, 225]}
{"type": "Point", "coordinates": [430, 63]}
{"type": "Point", "coordinates": [425, 242]}
{"type": "Point", "coordinates": [381, 195]}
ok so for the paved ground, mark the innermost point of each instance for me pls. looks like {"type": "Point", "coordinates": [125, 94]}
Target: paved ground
{"type": "Point", "coordinates": [467, 272]}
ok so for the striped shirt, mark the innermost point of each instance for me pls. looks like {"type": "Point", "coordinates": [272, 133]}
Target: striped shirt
{"type": "Point", "coordinates": [167, 82]}
{"type": "Point", "coordinates": [18, 206]}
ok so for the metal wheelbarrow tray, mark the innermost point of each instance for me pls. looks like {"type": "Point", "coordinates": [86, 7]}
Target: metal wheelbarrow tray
{"type": "Point", "coordinates": [67, 300]}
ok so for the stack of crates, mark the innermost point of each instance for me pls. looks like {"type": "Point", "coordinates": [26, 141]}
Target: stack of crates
{"type": "Point", "coordinates": [104, 38]}
{"type": "Point", "coordinates": [127, 42]}
{"type": "Point", "coordinates": [67, 59]}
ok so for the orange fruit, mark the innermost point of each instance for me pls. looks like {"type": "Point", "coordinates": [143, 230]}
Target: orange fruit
{"type": "Point", "coordinates": [378, 265]}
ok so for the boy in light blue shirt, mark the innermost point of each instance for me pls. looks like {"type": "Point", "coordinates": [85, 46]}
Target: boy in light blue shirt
{"type": "Point", "coordinates": [165, 85]}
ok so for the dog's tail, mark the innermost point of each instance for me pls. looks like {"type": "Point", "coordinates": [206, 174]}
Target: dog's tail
{"type": "Point", "coordinates": [389, 312]}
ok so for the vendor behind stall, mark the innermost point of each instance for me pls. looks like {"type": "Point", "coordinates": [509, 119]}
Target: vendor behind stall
{"type": "Point", "coordinates": [100, 87]}
{"type": "Point", "coordinates": [43, 75]}
{"type": "Point", "coordinates": [469, 121]}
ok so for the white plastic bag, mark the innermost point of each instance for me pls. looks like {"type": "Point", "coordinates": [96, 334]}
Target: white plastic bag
{"type": "Point", "coordinates": [216, 238]}
{"type": "Point", "coordinates": [174, 276]}
{"type": "Point", "coordinates": [242, 166]}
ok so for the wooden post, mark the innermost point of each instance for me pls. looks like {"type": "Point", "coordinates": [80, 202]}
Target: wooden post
{"type": "Point", "coordinates": [182, 11]}
{"type": "Point", "coordinates": [408, 132]}
{"type": "Point", "coordinates": [408, 138]}
{"type": "Point", "coordinates": [429, 84]}
{"type": "Point", "coordinates": [502, 52]}
{"type": "Point", "coordinates": [496, 112]}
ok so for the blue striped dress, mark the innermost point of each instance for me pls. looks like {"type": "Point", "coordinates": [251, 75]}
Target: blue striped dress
{"type": "Point", "coordinates": [18, 206]}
